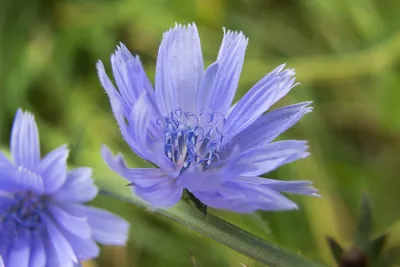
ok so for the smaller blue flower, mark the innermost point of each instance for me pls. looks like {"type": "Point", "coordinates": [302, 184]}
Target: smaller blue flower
{"type": "Point", "coordinates": [190, 129]}
{"type": "Point", "coordinates": [43, 219]}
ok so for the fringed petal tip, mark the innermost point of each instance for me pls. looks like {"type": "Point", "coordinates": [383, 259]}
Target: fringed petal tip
{"type": "Point", "coordinates": [291, 206]}
{"type": "Point", "coordinates": [180, 27]}
{"type": "Point", "coordinates": [307, 108]}
{"type": "Point", "coordinates": [122, 56]}
{"type": "Point", "coordinates": [282, 69]}
{"type": "Point", "coordinates": [184, 26]}
{"type": "Point", "coordinates": [309, 189]}
{"type": "Point", "coordinates": [302, 188]}
{"type": "Point", "coordinates": [232, 39]}
{"type": "Point", "coordinates": [234, 34]}
{"type": "Point", "coordinates": [21, 113]}
{"type": "Point", "coordinates": [100, 69]}
{"type": "Point", "coordinates": [121, 48]}
{"type": "Point", "coordinates": [24, 142]}
{"type": "Point", "coordinates": [286, 76]}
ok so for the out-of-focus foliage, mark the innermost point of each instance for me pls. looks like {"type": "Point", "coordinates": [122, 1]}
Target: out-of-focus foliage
{"type": "Point", "coordinates": [346, 54]}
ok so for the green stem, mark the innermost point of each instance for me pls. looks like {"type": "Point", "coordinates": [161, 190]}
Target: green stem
{"type": "Point", "coordinates": [227, 234]}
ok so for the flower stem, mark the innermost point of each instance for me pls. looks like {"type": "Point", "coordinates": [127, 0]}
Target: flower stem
{"type": "Point", "coordinates": [226, 233]}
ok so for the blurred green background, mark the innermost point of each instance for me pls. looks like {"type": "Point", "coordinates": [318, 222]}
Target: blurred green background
{"type": "Point", "coordinates": [346, 54]}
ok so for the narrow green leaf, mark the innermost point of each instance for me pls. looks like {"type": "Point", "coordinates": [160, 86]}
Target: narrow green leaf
{"type": "Point", "coordinates": [376, 246]}
{"type": "Point", "coordinates": [336, 249]}
{"type": "Point", "coordinates": [225, 233]}
{"type": "Point", "coordinates": [364, 226]}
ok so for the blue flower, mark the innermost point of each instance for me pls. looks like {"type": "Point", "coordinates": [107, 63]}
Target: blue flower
{"type": "Point", "coordinates": [43, 219]}
{"type": "Point", "coordinates": [189, 128]}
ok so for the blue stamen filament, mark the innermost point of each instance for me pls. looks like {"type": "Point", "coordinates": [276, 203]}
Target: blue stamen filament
{"type": "Point", "coordinates": [192, 140]}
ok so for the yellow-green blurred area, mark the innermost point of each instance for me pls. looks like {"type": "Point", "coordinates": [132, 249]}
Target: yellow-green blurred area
{"type": "Point", "coordinates": [346, 54]}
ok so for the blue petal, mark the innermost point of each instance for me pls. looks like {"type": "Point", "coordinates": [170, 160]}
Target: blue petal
{"type": "Point", "coordinates": [25, 148]}
{"type": "Point", "coordinates": [203, 181]}
{"type": "Point", "coordinates": [4, 160]}
{"type": "Point", "coordinates": [38, 253]}
{"type": "Point", "coordinates": [163, 194]}
{"type": "Point", "coordinates": [7, 174]}
{"type": "Point", "coordinates": [29, 180]}
{"type": "Point", "coordinates": [84, 248]}
{"type": "Point", "coordinates": [224, 74]}
{"type": "Point", "coordinates": [135, 129]}
{"type": "Point", "coordinates": [293, 187]}
{"type": "Point", "coordinates": [139, 121]}
{"type": "Point", "coordinates": [206, 84]}
{"type": "Point", "coordinates": [18, 255]}
{"type": "Point", "coordinates": [77, 187]}
{"type": "Point", "coordinates": [145, 177]}
{"type": "Point", "coordinates": [269, 126]}
{"type": "Point", "coordinates": [9, 179]}
{"type": "Point", "coordinates": [52, 258]}
{"type": "Point", "coordinates": [107, 228]}
{"type": "Point", "coordinates": [70, 223]}
{"type": "Point", "coordinates": [244, 197]}
{"type": "Point", "coordinates": [209, 180]}
{"type": "Point", "coordinates": [179, 69]}
{"type": "Point", "coordinates": [217, 201]}
{"type": "Point", "coordinates": [227, 41]}
{"type": "Point", "coordinates": [153, 185]}
{"type": "Point", "coordinates": [57, 241]}
{"type": "Point", "coordinates": [1, 262]}
{"type": "Point", "coordinates": [126, 132]}
{"type": "Point", "coordinates": [259, 99]}
{"type": "Point", "coordinates": [130, 77]}
{"type": "Point", "coordinates": [141, 177]}
{"type": "Point", "coordinates": [118, 105]}
{"type": "Point", "coordinates": [53, 169]}
{"type": "Point", "coordinates": [142, 127]}
{"type": "Point", "coordinates": [113, 93]}
{"type": "Point", "coordinates": [132, 82]}
{"type": "Point", "coordinates": [269, 157]}
{"type": "Point", "coordinates": [82, 244]}
{"type": "Point", "coordinates": [4, 249]}
{"type": "Point", "coordinates": [122, 109]}
{"type": "Point", "coordinates": [13, 179]}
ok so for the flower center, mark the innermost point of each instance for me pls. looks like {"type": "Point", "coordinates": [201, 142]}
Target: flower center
{"type": "Point", "coordinates": [193, 140]}
{"type": "Point", "coordinates": [23, 212]}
